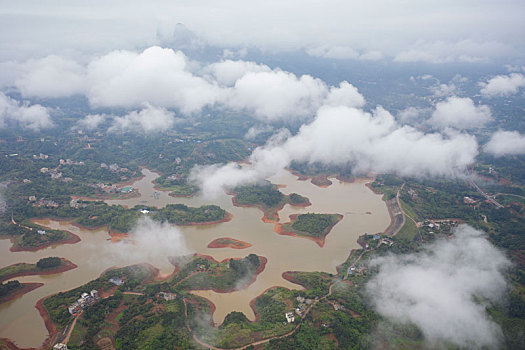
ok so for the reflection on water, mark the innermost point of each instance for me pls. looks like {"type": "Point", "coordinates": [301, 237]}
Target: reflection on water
{"type": "Point", "coordinates": [20, 321]}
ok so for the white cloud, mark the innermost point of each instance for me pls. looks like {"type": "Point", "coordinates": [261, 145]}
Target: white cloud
{"type": "Point", "coordinates": [149, 120]}
{"type": "Point", "coordinates": [349, 136]}
{"type": "Point", "coordinates": [446, 51]}
{"type": "Point", "coordinates": [472, 30]}
{"type": "Point", "coordinates": [166, 78]}
{"type": "Point", "coordinates": [255, 131]}
{"type": "Point", "coordinates": [33, 117]}
{"type": "Point", "coordinates": [506, 143]}
{"type": "Point", "coordinates": [156, 75]}
{"type": "Point", "coordinates": [460, 113]}
{"type": "Point", "coordinates": [435, 289]}
{"type": "Point", "coordinates": [442, 90]}
{"type": "Point", "coordinates": [410, 114]}
{"type": "Point", "coordinates": [90, 121]}
{"type": "Point", "coordinates": [228, 72]}
{"type": "Point", "coordinates": [52, 76]}
{"type": "Point", "coordinates": [344, 95]}
{"type": "Point", "coordinates": [503, 85]}
{"type": "Point", "coordinates": [149, 241]}
{"type": "Point", "coordinates": [277, 95]}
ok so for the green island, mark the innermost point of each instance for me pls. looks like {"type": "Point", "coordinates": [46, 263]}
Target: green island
{"type": "Point", "coordinates": [14, 289]}
{"type": "Point", "coordinates": [94, 214]}
{"type": "Point", "coordinates": [28, 236]}
{"type": "Point", "coordinates": [223, 276]}
{"type": "Point", "coordinates": [267, 198]}
{"type": "Point", "coordinates": [228, 242]}
{"type": "Point", "coordinates": [44, 266]}
{"type": "Point", "coordinates": [312, 226]}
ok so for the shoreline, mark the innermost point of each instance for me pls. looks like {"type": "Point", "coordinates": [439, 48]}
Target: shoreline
{"type": "Point", "coordinates": [233, 243]}
{"type": "Point", "coordinates": [26, 288]}
{"type": "Point", "coordinates": [66, 266]}
{"type": "Point", "coordinates": [72, 240]}
{"type": "Point", "coordinates": [227, 217]}
{"type": "Point", "coordinates": [259, 269]}
{"type": "Point", "coordinates": [271, 215]}
{"type": "Point", "coordinates": [279, 229]}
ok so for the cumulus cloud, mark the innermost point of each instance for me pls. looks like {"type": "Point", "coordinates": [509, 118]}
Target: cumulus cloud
{"type": "Point", "coordinates": [167, 78]}
{"type": "Point", "coordinates": [90, 121]}
{"type": "Point", "coordinates": [344, 95]}
{"type": "Point", "coordinates": [228, 72]}
{"type": "Point", "coordinates": [460, 113]}
{"type": "Point", "coordinates": [277, 95]}
{"type": "Point", "coordinates": [506, 143]}
{"type": "Point", "coordinates": [52, 76]}
{"type": "Point", "coordinates": [33, 117]}
{"type": "Point", "coordinates": [149, 120]}
{"type": "Point", "coordinates": [156, 75]}
{"type": "Point", "coordinates": [149, 241]}
{"type": "Point", "coordinates": [410, 114]}
{"type": "Point", "coordinates": [441, 90]}
{"type": "Point", "coordinates": [368, 142]}
{"type": "Point", "coordinates": [503, 85]}
{"type": "Point", "coordinates": [435, 289]}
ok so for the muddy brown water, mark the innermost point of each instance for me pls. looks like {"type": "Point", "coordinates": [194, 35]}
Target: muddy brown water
{"type": "Point", "coordinates": [20, 321]}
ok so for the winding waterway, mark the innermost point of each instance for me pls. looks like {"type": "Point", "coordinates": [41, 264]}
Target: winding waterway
{"type": "Point", "coordinates": [364, 212]}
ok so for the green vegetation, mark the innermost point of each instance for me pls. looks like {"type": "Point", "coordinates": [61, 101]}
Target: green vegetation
{"type": "Point", "coordinates": [8, 288]}
{"type": "Point", "coordinates": [315, 283]}
{"type": "Point", "coordinates": [264, 195]}
{"type": "Point", "coordinates": [182, 214]}
{"type": "Point", "coordinates": [47, 263]}
{"type": "Point", "coordinates": [314, 225]}
{"type": "Point", "coordinates": [14, 269]}
{"type": "Point", "coordinates": [26, 236]}
{"type": "Point", "coordinates": [227, 275]}
{"type": "Point", "coordinates": [409, 231]}
{"type": "Point", "coordinates": [23, 268]}
{"type": "Point", "coordinates": [56, 305]}
{"type": "Point", "coordinates": [296, 199]}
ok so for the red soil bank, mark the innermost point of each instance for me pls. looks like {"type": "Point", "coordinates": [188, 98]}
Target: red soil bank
{"type": "Point", "coordinates": [66, 266]}
{"type": "Point", "coordinates": [257, 272]}
{"type": "Point", "coordinates": [232, 243]}
{"type": "Point", "coordinates": [26, 288]}
{"type": "Point", "coordinates": [72, 240]}
{"type": "Point", "coordinates": [279, 229]}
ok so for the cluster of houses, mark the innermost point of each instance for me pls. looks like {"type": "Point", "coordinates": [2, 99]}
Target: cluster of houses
{"type": "Point", "coordinates": [84, 301]}
{"type": "Point", "coordinates": [167, 296]}
{"type": "Point", "coordinates": [113, 167]}
{"type": "Point", "coordinates": [41, 156]}
{"type": "Point", "coordinates": [60, 346]}
{"type": "Point", "coordinates": [303, 303]}
{"type": "Point", "coordinates": [112, 188]}
{"type": "Point", "coordinates": [357, 270]}
{"type": "Point", "coordinates": [70, 162]}
{"type": "Point", "coordinates": [116, 281]}
{"type": "Point", "coordinates": [43, 202]}
{"type": "Point", "coordinates": [440, 225]}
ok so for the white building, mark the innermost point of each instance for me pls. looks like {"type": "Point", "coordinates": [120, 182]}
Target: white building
{"type": "Point", "coordinates": [289, 317]}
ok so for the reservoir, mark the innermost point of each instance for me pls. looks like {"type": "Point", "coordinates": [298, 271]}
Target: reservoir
{"type": "Point", "coordinates": [363, 211]}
